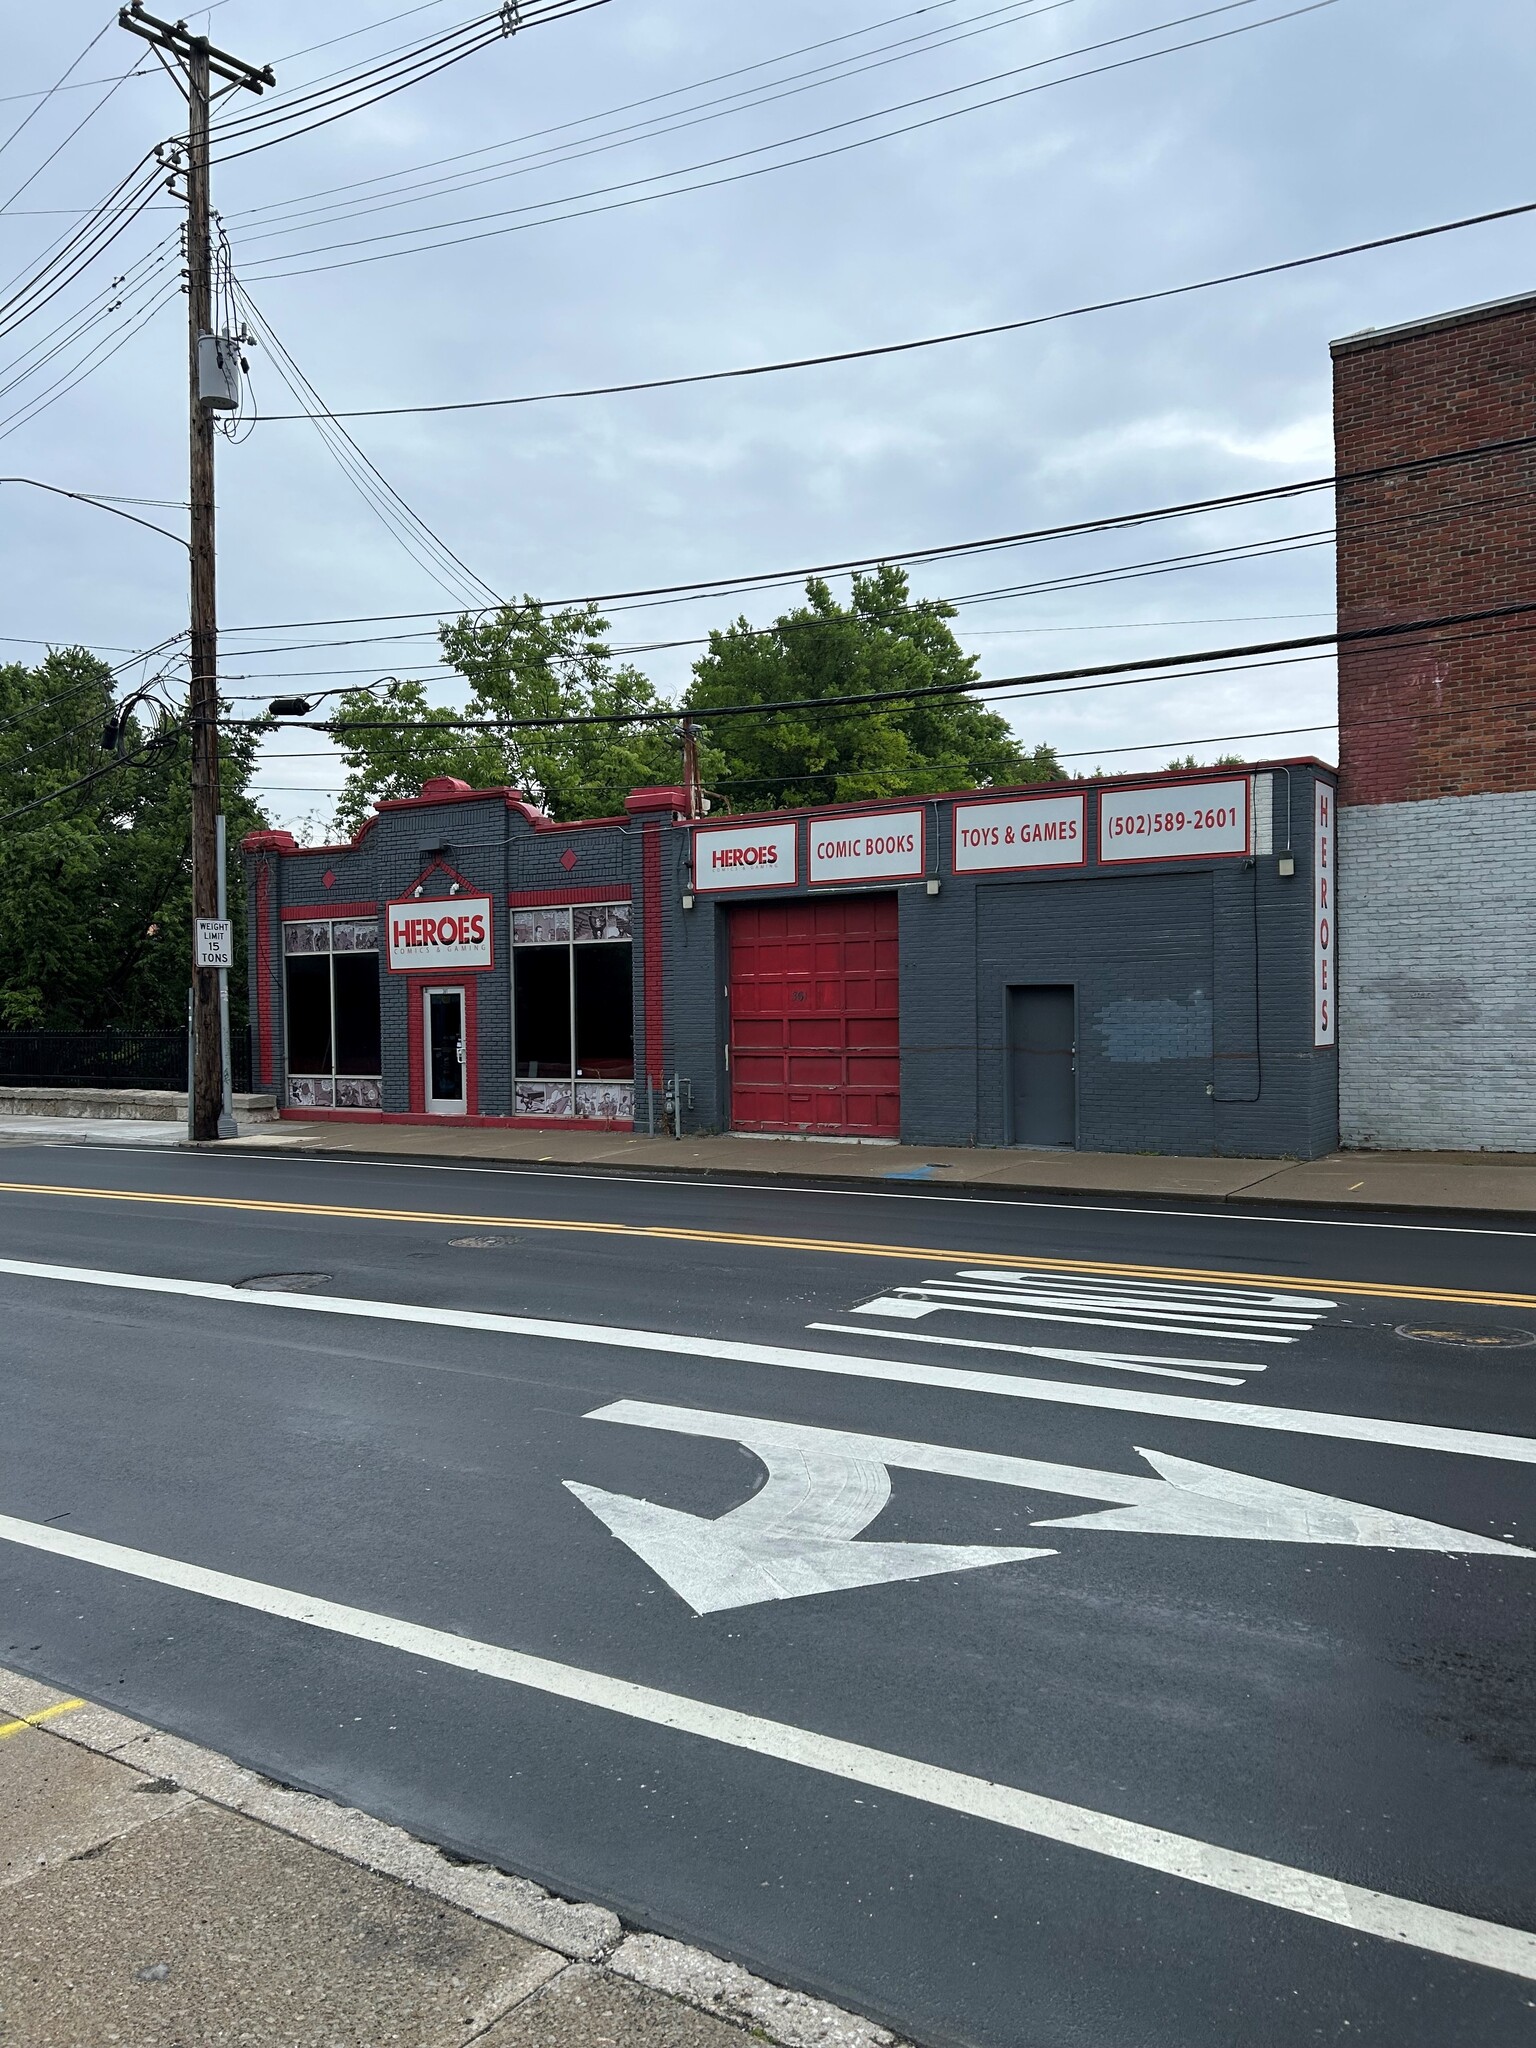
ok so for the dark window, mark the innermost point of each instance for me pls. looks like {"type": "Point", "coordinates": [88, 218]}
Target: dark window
{"type": "Point", "coordinates": [331, 982]}
{"type": "Point", "coordinates": [605, 1024]}
{"type": "Point", "coordinates": [357, 1012]}
{"type": "Point", "coordinates": [541, 1021]}
{"type": "Point", "coordinates": [309, 1013]}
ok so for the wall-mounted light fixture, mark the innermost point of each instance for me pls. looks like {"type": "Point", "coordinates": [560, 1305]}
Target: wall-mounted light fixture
{"type": "Point", "coordinates": [1286, 864]}
{"type": "Point", "coordinates": [453, 888]}
{"type": "Point", "coordinates": [687, 903]}
{"type": "Point", "coordinates": [933, 888]}
{"type": "Point", "coordinates": [420, 889]}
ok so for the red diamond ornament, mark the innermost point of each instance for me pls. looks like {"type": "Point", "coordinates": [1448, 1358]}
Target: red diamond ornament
{"type": "Point", "coordinates": [568, 859]}
{"type": "Point", "coordinates": [328, 879]}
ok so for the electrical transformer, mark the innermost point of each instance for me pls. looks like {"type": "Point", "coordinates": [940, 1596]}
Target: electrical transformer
{"type": "Point", "coordinates": [218, 372]}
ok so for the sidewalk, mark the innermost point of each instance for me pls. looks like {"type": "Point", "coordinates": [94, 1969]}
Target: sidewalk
{"type": "Point", "coordinates": [154, 1892]}
{"type": "Point", "coordinates": [1491, 1182]}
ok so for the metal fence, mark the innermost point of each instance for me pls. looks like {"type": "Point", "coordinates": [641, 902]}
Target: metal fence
{"type": "Point", "coordinates": [108, 1059]}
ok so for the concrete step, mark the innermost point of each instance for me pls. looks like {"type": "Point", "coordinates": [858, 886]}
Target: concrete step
{"type": "Point", "coordinates": [142, 1105]}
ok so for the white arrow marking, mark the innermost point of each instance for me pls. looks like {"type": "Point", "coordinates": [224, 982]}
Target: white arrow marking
{"type": "Point", "coordinates": [792, 1538]}
{"type": "Point", "coordinates": [824, 1486]}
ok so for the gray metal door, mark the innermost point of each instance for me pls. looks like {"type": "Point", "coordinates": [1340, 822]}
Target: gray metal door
{"type": "Point", "coordinates": [1042, 1065]}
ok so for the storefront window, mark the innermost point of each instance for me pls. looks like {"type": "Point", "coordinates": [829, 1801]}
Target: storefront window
{"type": "Point", "coordinates": [331, 989]}
{"type": "Point", "coordinates": [573, 1011]}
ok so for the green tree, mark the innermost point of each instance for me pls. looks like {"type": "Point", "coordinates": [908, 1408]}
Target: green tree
{"type": "Point", "coordinates": [96, 882]}
{"type": "Point", "coordinates": [521, 662]}
{"type": "Point", "coordinates": [882, 640]}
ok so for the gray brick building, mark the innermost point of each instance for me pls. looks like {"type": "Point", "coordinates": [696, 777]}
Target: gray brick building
{"type": "Point", "coordinates": [1132, 964]}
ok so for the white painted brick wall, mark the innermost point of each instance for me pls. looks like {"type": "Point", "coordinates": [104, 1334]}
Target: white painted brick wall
{"type": "Point", "coordinates": [1437, 974]}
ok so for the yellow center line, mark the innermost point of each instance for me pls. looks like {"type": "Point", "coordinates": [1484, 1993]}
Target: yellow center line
{"type": "Point", "coordinates": [36, 1720]}
{"type": "Point", "coordinates": [833, 1247]}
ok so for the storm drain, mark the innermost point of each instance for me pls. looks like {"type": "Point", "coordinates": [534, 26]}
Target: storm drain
{"type": "Point", "coordinates": [1468, 1336]}
{"type": "Point", "coordinates": [283, 1283]}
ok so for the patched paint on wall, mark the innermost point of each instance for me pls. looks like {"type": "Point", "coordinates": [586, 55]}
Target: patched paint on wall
{"type": "Point", "coordinates": [1142, 1032]}
{"type": "Point", "coordinates": [1437, 974]}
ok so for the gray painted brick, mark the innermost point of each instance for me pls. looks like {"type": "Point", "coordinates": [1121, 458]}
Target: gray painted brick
{"type": "Point", "coordinates": [1437, 974]}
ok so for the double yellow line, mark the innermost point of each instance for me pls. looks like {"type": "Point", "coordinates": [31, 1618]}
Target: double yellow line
{"type": "Point", "coordinates": [763, 1241]}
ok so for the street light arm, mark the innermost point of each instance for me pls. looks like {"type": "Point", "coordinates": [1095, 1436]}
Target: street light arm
{"type": "Point", "coordinates": [85, 498]}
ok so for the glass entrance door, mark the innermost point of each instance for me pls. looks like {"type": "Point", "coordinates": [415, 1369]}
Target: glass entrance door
{"type": "Point", "coordinates": [444, 1038]}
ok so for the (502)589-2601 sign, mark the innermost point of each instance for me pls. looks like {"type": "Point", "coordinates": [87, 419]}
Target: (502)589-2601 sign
{"type": "Point", "coordinates": [1172, 821]}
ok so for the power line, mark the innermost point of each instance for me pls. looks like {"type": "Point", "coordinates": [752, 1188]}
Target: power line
{"type": "Point", "coordinates": [628, 106]}
{"type": "Point", "coordinates": [297, 215]}
{"type": "Point", "coordinates": [764, 170]}
{"type": "Point", "coordinates": [746, 581]}
{"type": "Point", "coordinates": [892, 348]}
{"type": "Point", "coordinates": [44, 97]}
{"type": "Point", "coordinates": [1093, 675]}
{"type": "Point", "coordinates": [408, 527]}
{"type": "Point", "coordinates": [354, 96]}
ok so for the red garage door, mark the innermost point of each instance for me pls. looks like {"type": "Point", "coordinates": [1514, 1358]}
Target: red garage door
{"type": "Point", "coordinates": [815, 1021]}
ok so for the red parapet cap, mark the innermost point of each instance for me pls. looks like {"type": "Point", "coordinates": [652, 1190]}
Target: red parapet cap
{"type": "Point", "coordinates": [269, 842]}
{"type": "Point", "coordinates": [641, 801]}
{"type": "Point", "coordinates": [445, 785]}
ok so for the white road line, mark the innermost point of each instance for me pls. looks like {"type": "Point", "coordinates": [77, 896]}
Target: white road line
{"type": "Point", "coordinates": [1256, 1878]}
{"type": "Point", "coordinates": [1059, 1294]}
{"type": "Point", "coordinates": [904, 1306]}
{"type": "Point", "coordinates": [1372, 1429]}
{"type": "Point", "coordinates": [1191, 1293]}
{"type": "Point", "coordinates": [1110, 1361]}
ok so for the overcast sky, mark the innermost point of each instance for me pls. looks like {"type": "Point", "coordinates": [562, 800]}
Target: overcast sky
{"type": "Point", "coordinates": [1306, 130]}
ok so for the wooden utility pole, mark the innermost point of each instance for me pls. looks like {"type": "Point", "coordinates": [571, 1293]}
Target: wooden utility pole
{"type": "Point", "coordinates": [200, 63]}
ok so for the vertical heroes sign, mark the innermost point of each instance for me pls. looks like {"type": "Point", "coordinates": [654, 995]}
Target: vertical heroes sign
{"type": "Point", "coordinates": [1324, 934]}
{"type": "Point", "coordinates": [451, 932]}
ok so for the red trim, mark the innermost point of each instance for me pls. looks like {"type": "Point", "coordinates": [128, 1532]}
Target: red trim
{"type": "Point", "coordinates": [543, 824]}
{"type": "Point", "coordinates": [301, 913]}
{"type": "Point", "coordinates": [655, 982]}
{"type": "Point", "coordinates": [416, 985]}
{"type": "Point", "coordinates": [437, 865]}
{"type": "Point", "coordinates": [1030, 867]}
{"type": "Point", "coordinates": [586, 892]}
{"type": "Point", "coordinates": [863, 881]}
{"type": "Point", "coordinates": [1141, 860]}
{"type": "Point", "coordinates": [263, 975]}
{"type": "Point", "coordinates": [479, 1123]}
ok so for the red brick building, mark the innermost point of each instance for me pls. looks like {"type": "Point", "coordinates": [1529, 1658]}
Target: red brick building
{"type": "Point", "coordinates": [1437, 731]}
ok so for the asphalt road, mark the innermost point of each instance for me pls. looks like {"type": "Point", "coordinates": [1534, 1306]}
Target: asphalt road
{"type": "Point", "coordinates": [790, 1654]}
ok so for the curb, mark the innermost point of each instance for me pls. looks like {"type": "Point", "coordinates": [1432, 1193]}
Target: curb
{"type": "Point", "coordinates": [575, 1932]}
{"type": "Point", "coordinates": [991, 1191]}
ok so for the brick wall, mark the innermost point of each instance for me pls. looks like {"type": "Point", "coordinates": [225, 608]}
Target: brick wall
{"type": "Point", "coordinates": [1437, 736]}
{"type": "Point", "coordinates": [1450, 713]}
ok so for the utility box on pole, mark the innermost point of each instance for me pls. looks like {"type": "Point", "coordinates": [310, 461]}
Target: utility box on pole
{"type": "Point", "coordinates": [218, 372]}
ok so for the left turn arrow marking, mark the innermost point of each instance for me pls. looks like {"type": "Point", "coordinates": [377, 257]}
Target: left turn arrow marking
{"type": "Point", "coordinates": [796, 1535]}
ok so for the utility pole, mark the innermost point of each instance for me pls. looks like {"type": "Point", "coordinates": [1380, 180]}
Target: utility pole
{"type": "Point", "coordinates": [199, 64]}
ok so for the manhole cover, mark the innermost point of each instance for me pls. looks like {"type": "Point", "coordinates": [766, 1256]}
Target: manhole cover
{"type": "Point", "coordinates": [481, 1244]}
{"type": "Point", "coordinates": [283, 1283]}
{"type": "Point", "coordinates": [1469, 1336]}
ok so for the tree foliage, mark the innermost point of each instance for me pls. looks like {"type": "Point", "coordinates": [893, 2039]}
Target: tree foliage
{"type": "Point", "coordinates": [521, 662]}
{"type": "Point", "coordinates": [96, 883]}
{"type": "Point", "coordinates": [882, 640]}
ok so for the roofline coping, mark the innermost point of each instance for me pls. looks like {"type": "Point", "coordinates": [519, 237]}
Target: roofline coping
{"type": "Point", "coordinates": [1433, 323]}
